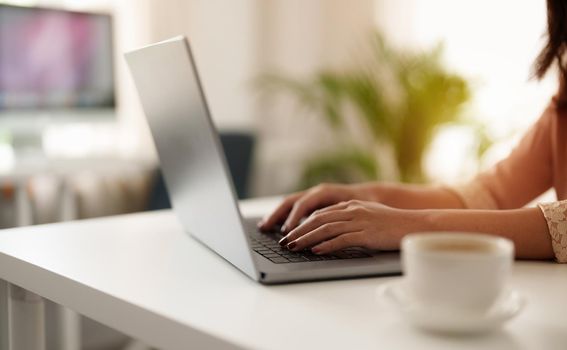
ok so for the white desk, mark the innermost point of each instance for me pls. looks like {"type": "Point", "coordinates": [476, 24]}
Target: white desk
{"type": "Point", "coordinates": [142, 275]}
{"type": "Point", "coordinates": [38, 189]}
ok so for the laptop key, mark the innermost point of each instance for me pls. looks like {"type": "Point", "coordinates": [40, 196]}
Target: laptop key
{"type": "Point", "coordinates": [314, 258]}
{"type": "Point", "coordinates": [341, 255]}
{"type": "Point", "coordinates": [263, 251]}
{"type": "Point", "coordinates": [359, 255]}
{"type": "Point", "coordinates": [298, 259]}
{"type": "Point", "coordinates": [279, 260]}
{"type": "Point", "coordinates": [329, 257]}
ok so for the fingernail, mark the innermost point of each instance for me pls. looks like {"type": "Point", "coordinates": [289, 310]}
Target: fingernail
{"type": "Point", "coordinates": [261, 223]}
{"type": "Point", "coordinates": [316, 250]}
{"type": "Point", "coordinates": [283, 241]}
{"type": "Point", "coordinates": [283, 229]}
{"type": "Point", "coordinates": [292, 245]}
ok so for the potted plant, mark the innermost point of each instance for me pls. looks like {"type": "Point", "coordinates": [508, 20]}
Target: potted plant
{"type": "Point", "coordinates": [400, 97]}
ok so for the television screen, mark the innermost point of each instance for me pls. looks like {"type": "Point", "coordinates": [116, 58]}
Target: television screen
{"type": "Point", "coordinates": [53, 59]}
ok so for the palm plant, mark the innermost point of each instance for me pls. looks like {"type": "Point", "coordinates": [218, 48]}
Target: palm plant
{"type": "Point", "coordinates": [401, 98]}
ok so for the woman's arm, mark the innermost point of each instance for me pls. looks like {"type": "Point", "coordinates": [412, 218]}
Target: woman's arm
{"type": "Point", "coordinates": [408, 196]}
{"type": "Point", "coordinates": [526, 227]}
{"type": "Point", "coordinates": [375, 226]}
{"type": "Point", "coordinates": [301, 204]}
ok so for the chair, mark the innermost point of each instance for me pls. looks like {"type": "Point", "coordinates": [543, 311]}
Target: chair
{"type": "Point", "coordinates": [239, 151]}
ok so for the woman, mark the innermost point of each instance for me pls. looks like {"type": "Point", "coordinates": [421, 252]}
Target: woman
{"type": "Point", "coordinates": [378, 215]}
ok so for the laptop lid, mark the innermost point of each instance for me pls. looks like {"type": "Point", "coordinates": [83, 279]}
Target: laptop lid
{"type": "Point", "coordinates": [189, 149]}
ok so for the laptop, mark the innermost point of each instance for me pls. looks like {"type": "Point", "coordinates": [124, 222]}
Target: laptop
{"type": "Point", "coordinates": [201, 189]}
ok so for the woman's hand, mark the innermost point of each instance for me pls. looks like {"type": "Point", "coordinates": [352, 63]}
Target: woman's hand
{"type": "Point", "coordinates": [353, 224]}
{"type": "Point", "coordinates": [301, 204]}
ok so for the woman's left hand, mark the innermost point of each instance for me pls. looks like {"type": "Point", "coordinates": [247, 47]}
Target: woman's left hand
{"type": "Point", "coordinates": [353, 224]}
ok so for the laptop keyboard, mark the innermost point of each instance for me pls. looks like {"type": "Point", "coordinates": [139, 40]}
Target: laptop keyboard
{"type": "Point", "coordinates": [267, 245]}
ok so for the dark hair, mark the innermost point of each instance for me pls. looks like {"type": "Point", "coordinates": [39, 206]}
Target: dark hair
{"type": "Point", "coordinates": [554, 50]}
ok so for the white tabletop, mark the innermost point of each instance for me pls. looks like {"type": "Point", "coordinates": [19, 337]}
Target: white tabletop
{"type": "Point", "coordinates": [142, 275]}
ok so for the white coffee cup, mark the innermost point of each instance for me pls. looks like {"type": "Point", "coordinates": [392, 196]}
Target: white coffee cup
{"type": "Point", "coordinates": [454, 270]}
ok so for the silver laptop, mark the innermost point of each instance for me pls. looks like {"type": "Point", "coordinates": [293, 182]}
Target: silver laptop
{"type": "Point", "coordinates": [200, 186]}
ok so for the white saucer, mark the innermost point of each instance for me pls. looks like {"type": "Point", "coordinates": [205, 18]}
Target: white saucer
{"type": "Point", "coordinates": [451, 321]}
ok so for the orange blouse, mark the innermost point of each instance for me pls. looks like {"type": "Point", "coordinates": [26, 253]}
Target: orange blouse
{"type": "Point", "coordinates": [538, 163]}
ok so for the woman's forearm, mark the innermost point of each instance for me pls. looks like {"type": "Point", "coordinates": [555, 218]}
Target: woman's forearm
{"type": "Point", "coordinates": [527, 227]}
{"type": "Point", "coordinates": [406, 196]}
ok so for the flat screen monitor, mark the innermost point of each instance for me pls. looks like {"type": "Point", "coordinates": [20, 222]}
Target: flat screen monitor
{"type": "Point", "coordinates": [55, 60]}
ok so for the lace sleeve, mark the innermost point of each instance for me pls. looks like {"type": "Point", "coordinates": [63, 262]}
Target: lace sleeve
{"type": "Point", "coordinates": [556, 216]}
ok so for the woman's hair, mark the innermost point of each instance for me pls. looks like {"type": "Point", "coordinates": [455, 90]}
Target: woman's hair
{"type": "Point", "coordinates": [554, 50]}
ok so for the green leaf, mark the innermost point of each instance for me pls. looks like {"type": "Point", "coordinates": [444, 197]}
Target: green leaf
{"type": "Point", "coordinates": [401, 96]}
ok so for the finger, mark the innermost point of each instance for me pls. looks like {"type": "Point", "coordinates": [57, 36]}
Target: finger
{"type": "Point", "coordinates": [305, 206]}
{"type": "Point", "coordinates": [311, 222]}
{"type": "Point", "coordinates": [280, 213]}
{"type": "Point", "coordinates": [315, 221]}
{"type": "Point", "coordinates": [338, 206]}
{"type": "Point", "coordinates": [352, 239]}
{"type": "Point", "coordinates": [320, 234]}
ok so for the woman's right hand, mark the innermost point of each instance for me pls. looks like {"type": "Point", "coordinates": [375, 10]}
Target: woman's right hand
{"type": "Point", "coordinates": [301, 204]}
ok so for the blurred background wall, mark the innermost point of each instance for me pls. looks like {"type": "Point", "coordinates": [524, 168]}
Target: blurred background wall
{"type": "Point", "coordinates": [491, 44]}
